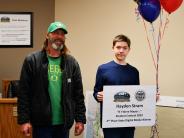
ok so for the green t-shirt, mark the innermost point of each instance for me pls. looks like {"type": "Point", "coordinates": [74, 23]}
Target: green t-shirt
{"type": "Point", "coordinates": [54, 88]}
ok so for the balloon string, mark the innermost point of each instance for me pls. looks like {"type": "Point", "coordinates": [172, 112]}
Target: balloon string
{"type": "Point", "coordinates": [161, 14]}
{"type": "Point", "coordinates": [149, 43]}
{"type": "Point", "coordinates": [153, 36]}
{"type": "Point", "coordinates": [166, 23]}
{"type": "Point", "coordinates": [157, 57]}
{"type": "Point", "coordinates": [154, 129]}
{"type": "Point", "coordinates": [160, 34]}
{"type": "Point", "coordinates": [157, 74]}
{"type": "Point", "coordinates": [137, 14]}
{"type": "Point", "coordinates": [160, 37]}
{"type": "Point", "coordinates": [158, 53]}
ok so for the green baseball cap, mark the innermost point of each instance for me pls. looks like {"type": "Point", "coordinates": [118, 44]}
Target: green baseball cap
{"type": "Point", "coordinates": [57, 25]}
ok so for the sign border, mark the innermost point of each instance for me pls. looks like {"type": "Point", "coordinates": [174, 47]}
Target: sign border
{"type": "Point", "coordinates": [31, 29]}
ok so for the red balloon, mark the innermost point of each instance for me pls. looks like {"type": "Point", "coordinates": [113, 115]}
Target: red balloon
{"type": "Point", "coordinates": [170, 5]}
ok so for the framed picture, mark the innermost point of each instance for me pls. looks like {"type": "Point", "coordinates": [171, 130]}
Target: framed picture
{"type": "Point", "coordinates": [16, 29]}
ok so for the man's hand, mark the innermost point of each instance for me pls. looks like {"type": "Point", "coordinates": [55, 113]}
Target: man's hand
{"type": "Point", "coordinates": [26, 129]}
{"type": "Point", "coordinates": [79, 127]}
{"type": "Point", "coordinates": [100, 96]}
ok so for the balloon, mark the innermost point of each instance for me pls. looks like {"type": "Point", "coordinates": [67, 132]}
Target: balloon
{"type": "Point", "coordinates": [149, 9]}
{"type": "Point", "coordinates": [171, 5]}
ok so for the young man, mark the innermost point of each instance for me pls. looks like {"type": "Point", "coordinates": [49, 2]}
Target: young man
{"type": "Point", "coordinates": [51, 96]}
{"type": "Point", "coordinates": [116, 72]}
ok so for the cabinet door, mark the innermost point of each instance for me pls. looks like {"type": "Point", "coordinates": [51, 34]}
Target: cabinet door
{"type": "Point", "coordinates": [8, 121]}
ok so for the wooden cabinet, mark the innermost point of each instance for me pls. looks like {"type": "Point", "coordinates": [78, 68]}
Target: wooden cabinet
{"type": "Point", "coordinates": [8, 119]}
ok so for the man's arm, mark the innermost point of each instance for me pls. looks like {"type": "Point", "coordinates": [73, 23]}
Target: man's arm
{"type": "Point", "coordinates": [23, 93]}
{"type": "Point", "coordinates": [98, 88]}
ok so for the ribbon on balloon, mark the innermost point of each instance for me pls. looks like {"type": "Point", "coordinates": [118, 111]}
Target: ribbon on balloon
{"type": "Point", "coordinates": [150, 10]}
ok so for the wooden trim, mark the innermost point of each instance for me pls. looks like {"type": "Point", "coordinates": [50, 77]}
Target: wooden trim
{"type": "Point", "coordinates": [8, 100]}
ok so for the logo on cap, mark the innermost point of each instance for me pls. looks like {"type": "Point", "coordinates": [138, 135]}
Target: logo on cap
{"type": "Point", "coordinates": [57, 25]}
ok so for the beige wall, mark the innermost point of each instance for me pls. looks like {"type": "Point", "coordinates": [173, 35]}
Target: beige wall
{"type": "Point", "coordinates": [92, 24]}
{"type": "Point", "coordinates": [43, 13]}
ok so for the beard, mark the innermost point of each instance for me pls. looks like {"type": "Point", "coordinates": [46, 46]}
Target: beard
{"type": "Point", "coordinates": [57, 47]}
{"type": "Point", "coordinates": [56, 44]}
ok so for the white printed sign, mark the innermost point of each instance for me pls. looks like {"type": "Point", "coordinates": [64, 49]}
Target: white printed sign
{"type": "Point", "coordinates": [15, 29]}
{"type": "Point", "coordinates": [127, 106]}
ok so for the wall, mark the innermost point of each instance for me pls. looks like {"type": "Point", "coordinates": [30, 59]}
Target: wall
{"type": "Point", "coordinates": [11, 59]}
{"type": "Point", "coordinates": [92, 24]}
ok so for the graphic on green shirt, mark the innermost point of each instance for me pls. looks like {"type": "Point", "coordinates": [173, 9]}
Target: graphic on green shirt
{"type": "Point", "coordinates": [54, 88]}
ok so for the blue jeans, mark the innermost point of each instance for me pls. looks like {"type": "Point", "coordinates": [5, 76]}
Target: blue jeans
{"type": "Point", "coordinates": [56, 131]}
{"type": "Point", "coordinates": [123, 132]}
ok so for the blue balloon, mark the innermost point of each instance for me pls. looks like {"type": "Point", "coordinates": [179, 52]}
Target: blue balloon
{"type": "Point", "coordinates": [149, 9]}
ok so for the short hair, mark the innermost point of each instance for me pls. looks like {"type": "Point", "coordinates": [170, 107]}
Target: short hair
{"type": "Point", "coordinates": [121, 38]}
